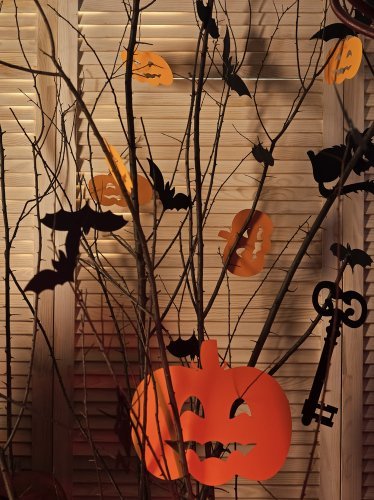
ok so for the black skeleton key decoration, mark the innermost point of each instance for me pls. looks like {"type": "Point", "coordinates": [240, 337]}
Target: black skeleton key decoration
{"type": "Point", "coordinates": [313, 407]}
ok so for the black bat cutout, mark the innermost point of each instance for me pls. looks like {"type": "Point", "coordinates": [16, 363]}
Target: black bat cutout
{"type": "Point", "coordinates": [262, 155]}
{"type": "Point", "coordinates": [354, 256]}
{"type": "Point", "coordinates": [331, 31]}
{"type": "Point", "coordinates": [205, 16]}
{"type": "Point", "coordinates": [64, 267]}
{"type": "Point", "coordinates": [169, 199]}
{"type": "Point", "coordinates": [327, 166]}
{"type": "Point", "coordinates": [86, 218]}
{"type": "Point", "coordinates": [182, 348]}
{"type": "Point", "coordinates": [232, 79]}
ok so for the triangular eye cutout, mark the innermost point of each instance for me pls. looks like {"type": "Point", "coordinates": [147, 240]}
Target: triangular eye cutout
{"type": "Point", "coordinates": [193, 404]}
{"type": "Point", "coordinates": [238, 407]}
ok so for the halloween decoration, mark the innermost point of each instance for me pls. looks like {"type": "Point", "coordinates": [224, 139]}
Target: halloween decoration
{"type": "Point", "coordinates": [267, 428]}
{"type": "Point", "coordinates": [363, 17]}
{"type": "Point", "coordinates": [121, 167]}
{"type": "Point", "coordinates": [149, 67]}
{"type": "Point", "coordinates": [354, 256]}
{"type": "Point", "coordinates": [230, 76]}
{"type": "Point", "coordinates": [338, 317]}
{"type": "Point", "coordinates": [345, 60]}
{"type": "Point", "coordinates": [182, 348]}
{"type": "Point", "coordinates": [328, 166]}
{"type": "Point", "coordinates": [104, 189]}
{"type": "Point", "coordinates": [32, 485]}
{"type": "Point", "coordinates": [262, 155]}
{"type": "Point", "coordinates": [64, 267]}
{"type": "Point", "coordinates": [251, 260]}
{"type": "Point", "coordinates": [331, 31]}
{"type": "Point", "coordinates": [73, 223]}
{"type": "Point", "coordinates": [205, 15]}
{"type": "Point", "coordinates": [169, 199]}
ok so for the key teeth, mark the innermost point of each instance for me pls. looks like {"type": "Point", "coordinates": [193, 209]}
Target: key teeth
{"type": "Point", "coordinates": [308, 410]}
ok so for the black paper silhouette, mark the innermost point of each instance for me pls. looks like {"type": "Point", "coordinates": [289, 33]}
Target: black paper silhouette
{"type": "Point", "coordinates": [328, 165]}
{"type": "Point", "coordinates": [85, 219]}
{"type": "Point", "coordinates": [338, 317]}
{"type": "Point", "coordinates": [169, 199]}
{"type": "Point", "coordinates": [63, 267]}
{"type": "Point", "coordinates": [205, 15]}
{"type": "Point", "coordinates": [334, 30]}
{"type": "Point", "coordinates": [354, 256]}
{"type": "Point", "coordinates": [182, 348]}
{"type": "Point", "coordinates": [232, 79]}
{"type": "Point", "coordinates": [262, 155]}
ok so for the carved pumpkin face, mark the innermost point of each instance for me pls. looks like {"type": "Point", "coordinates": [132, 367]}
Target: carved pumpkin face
{"type": "Point", "coordinates": [346, 60]}
{"type": "Point", "coordinates": [267, 429]}
{"type": "Point", "coordinates": [109, 193]}
{"type": "Point", "coordinates": [149, 67]}
{"type": "Point", "coordinates": [255, 246]}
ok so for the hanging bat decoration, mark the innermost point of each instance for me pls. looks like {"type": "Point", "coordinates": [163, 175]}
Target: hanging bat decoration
{"type": "Point", "coordinates": [86, 218]}
{"type": "Point", "coordinates": [328, 166]}
{"type": "Point", "coordinates": [332, 31]}
{"type": "Point", "coordinates": [232, 79]}
{"type": "Point", "coordinates": [72, 222]}
{"type": "Point", "coordinates": [205, 15]}
{"type": "Point", "coordinates": [182, 348]}
{"type": "Point", "coordinates": [169, 199]}
{"type": "Point", "coordinates": [354, 256]}
{"type": "Point", "coordinates": [313, 407]}
{"type": "Point", "coordinates": [262, 155]}
{"type": "Point", "coordinates": [64, 267]}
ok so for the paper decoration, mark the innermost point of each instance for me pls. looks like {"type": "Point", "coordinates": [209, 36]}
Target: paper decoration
{"type": "Point", "coordinates": [230, 76]}
{"type": "Point", "coordinates": [262, 155]}
{"type": "Point", "coordinates": [205, 15]}
{"type": "Point", "coordinates": [149, 67]}
{"type": "Point", "coordinates": [72, 222]}
{"type": "Point", "coordinates": [328, 165]}
{"type": "Point", "coordinates": [331, 31]}
{"type": "Point", "coordinates": [169, 199]}
{"type": "Point", "coordinates": [182, 348]}
{"type": "Point", "coordinates": [125, 174]}
{"type": "Point", "coordinates": [345, 61]}
{"type": "Point", "coordinates": [313, 406]}
{"type": "Point", "coordinates": [354, 256]}
{"type": "Point", "coordinates": [267, 428]}
{"type": "Point", "coordinates": [104, 189]}
{"type": "Point", "coordinates": [251, 260]}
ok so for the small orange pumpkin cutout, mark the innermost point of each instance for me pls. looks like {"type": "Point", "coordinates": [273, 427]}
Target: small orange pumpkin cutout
{"type": "Point", "coordinates": [255, 246]}
{"type": "Point", "coordinates": [149, 67]}
{"type": "Point", "coordinates": [267, 428]}
{"type": "Point", "coordinates": [345, 61]}
{"type": "Point", "coordinates": [104, 189]}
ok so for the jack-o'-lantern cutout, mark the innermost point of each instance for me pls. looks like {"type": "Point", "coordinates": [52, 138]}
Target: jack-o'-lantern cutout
{"type": "Point", "coordinates": [345, 61]}
{"type": "Point", "coordinates": [104, 189]}
{"type": "Point", "coordinates": [254, 247]}
{"type": "Point", "coordinates": [267, 429]}
{"type": "Point", "coordinates": [149, 67]}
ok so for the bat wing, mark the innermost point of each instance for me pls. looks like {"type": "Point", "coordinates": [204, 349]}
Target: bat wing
{"type": "Point", "coordinates": [45, 280]}
{"type": "Point", "coordinates": [182, 348]}
{"type": "Point", "coordinates": [72, 243]}
{"type": "Point", "coordinates": [157, 177]}
{"type": "Point", "coordinates": [61, 220]}
{"type": "Point", "coordinates": [180, 201]}
{"type": "Point", "coordinates": [359, 257]}
{"type": "Point", "coordinates": [339, 250]}
{"type": "Point", "coordinates": [236, 83]}
{"type": "Point", "coordinates": [334, 30]}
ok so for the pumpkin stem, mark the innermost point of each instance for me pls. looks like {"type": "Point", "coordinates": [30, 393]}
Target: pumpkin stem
{"type": "Point", "coordinates": [209, 355]}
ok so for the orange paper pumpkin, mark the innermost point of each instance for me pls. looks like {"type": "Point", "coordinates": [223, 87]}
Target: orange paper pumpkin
{"type": "Point", "coordinates": [149, 67]}
{"type": "Point", "coordinates": [109, 193]}
{"type": "Point", "coordinates": [346, 60]}
{"type": "Point", "coordinates": [267, 428]}
{"type": "Point", "coordinates": [255, 246]}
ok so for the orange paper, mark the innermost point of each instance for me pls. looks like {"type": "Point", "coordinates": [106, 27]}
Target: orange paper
{"type": "Point", "coordinates": [149, 67]}
{"type": "Point", "coordinates": [267, 428]}
{"type": "Point", "coordinates": [125, 174]}
{"type": "Point", "coordinates": [108, 193]}
{"type": "Point", "coordinates": [255, 246]}
{"type": "Point", "coordinates": [346, 60]}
